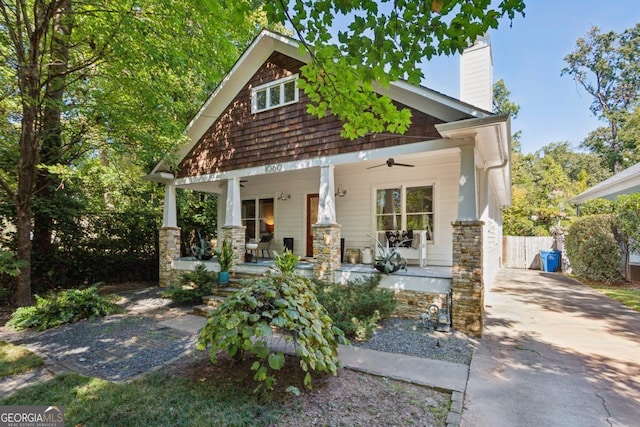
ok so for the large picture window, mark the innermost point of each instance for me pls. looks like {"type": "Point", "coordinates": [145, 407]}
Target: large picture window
{"type": "Point", "coordinates": [405, 208]}
{"type": "Point", "coordinates": [258, 217]}
{"type": "Point", "coordinates": [274, 94]}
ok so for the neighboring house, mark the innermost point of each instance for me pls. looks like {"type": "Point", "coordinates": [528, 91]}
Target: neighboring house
{"type": "Point", "coordinates": [285, 174]}
{"type": "Point", "coordinates": [625, 182]}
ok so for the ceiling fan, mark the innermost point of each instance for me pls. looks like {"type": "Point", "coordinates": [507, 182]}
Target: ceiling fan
{"type": "Point", "coordinates": [391, 162]}
{"type": "Point", "coordinates": [241, 181]}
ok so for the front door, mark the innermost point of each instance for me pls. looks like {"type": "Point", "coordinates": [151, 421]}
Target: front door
{"type": "Point", "coordinates": [312, 218]}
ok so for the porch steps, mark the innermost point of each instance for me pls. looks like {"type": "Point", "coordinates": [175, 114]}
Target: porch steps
{"type": "Point", "coordinates": [212, 302]}
{"type": "Point", "coordinates": [224, 292]}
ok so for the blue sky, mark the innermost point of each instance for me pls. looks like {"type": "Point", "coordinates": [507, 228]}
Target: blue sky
{"type": "Point", "coordinates": [529, 57]}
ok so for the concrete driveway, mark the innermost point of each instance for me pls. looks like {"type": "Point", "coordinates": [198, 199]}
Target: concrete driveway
{"type": "Point", "coordinates": [553, 353]}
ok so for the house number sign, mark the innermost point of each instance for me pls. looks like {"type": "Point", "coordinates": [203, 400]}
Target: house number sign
{"type": "Point", "coordinates": [273, 168]}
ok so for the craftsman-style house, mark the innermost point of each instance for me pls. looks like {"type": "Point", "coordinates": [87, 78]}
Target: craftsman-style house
{"type": "Point", "coordinates": [286, 177]}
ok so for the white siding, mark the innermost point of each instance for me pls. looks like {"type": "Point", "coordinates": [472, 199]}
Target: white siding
{"type": "Point", "coordinates": [492, 235]}
{"type": "Point", "coordinates": [355, 211]}
{"type": "Point", "coordinates": [476, 75]}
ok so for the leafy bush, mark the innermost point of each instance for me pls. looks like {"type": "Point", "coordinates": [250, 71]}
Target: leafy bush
{"type": "Point", "coordinates": [593, 249]}
{"type": "Point", "coordinates": [358, 306]}
{"type": "Point", "coordinates": [627, 217]}
{"type": "Point", "coordinates": [9, 269]}
{"type": "Point", "coordinates": [100, 247]}
{"type": "Point", "coordinates": [192, 286]}
{"type": "Point", "coordinates": [63, 307]}
{"type": "Point", "coordinates": [597, 207]}
{"type": "Point", "coordinates": [282, 300]}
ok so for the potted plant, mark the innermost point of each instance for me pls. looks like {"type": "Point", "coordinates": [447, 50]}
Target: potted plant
{"type": "Point", "coordinates": [225, 258]}
{"type": "Point", "coordinates": [389, 260]}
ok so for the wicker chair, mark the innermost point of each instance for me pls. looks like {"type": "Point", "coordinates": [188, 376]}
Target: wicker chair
{"type": "Point", "coordinates": [265, 245]}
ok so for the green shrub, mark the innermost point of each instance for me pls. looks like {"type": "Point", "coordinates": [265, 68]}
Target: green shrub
{"type": "Point", "coordinates": [282, 300]}
{"type": "Point", "coordinates": [597, 207]}
{"type": "Point", "coordinates": [593, 249]}
{"type": "Point", "coordinates": [63, 307]}
{"type": "Point", "coordinates": [192, 286]}
{"type": "Point", "coordinates": [358, 306]}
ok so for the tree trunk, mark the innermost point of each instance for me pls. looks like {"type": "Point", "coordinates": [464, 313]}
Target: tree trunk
{"type": "Point", "coordinates": [47, 183]}
{"type": "Point", "coordinates": [26, 175]}
{"type": "Point", "coordinates": [27, 34]}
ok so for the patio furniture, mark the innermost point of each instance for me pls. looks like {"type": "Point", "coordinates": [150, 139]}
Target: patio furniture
{"type": "Point", "coordinates": [265, 245]}
{"type": "Point", "coordinates": [252, 249]}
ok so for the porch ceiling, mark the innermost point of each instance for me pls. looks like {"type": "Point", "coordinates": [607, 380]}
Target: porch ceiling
{"type": "Point", "coordinates": [357, 159]}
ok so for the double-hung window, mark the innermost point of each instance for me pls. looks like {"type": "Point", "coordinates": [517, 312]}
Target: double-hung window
{"type": "Point", "coordinates": [274, 94]}
{"type": "Point", "coordinates": [257, 216]}
{"type": "Point", "coordinates": [405, 208]}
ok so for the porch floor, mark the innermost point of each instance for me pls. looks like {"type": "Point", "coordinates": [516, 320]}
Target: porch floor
{"type": "Point", "coordinates": [436, 271]}
{"type": "Point", "coordinates": [436, 279]}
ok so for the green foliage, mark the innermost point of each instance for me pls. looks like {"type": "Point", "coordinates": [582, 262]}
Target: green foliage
{"type": "Point", "coordinates": [63, 307]}
{"type": "Point", "coordinates": [358, 306]}
{"type": "Point", "coordinates": [286, 262]}
{"type": "Point", "coordinates": [543, 183]}
{"type": "Point", "coordinates": [593, 249]}
{"type": "Point", "coordinates": [627, 216]}
{"type": "Point", "coordinates": [381, 42]}
{"type": "Point", "coordinates": [8, 264]}
{"type": "Point", "coordinates": [286, 302]}
{"type": "Point", "coordinates": [224, 255]}
{"type": "Point", "coordinates": [597, 207]}
{"type": "Point", "coordinates": [197, 213]}
{"type": "Point", "coordinates": [605, 66]}
{"type": "Point", "coordinates": [192, 286]}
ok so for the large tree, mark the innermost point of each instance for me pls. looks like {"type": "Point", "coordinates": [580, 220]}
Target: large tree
{"type": "Point", "coordinates": [356, 45]}
{"type": "Point", "coordinates": [127, 75]}
{"type": "Point", "coordinates": [92, 76]}
{"type": "Point", "coordinates": [607, 66]}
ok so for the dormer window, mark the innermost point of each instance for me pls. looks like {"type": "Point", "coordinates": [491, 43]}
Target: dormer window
{"type": "Point", "coordinates": [274, 94]}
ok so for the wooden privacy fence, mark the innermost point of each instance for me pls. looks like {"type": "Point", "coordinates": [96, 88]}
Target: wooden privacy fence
{"type": "Point", "coordinates": [524, 252]}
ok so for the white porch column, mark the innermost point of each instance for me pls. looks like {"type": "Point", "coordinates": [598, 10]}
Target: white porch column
{"type": "Point", "coordinates": [467, 201]}
{"type": "Point", "coordinates": [326, 232]}
{"type": "Point", "coordinates": [233, 213]}
{"type": "Point", "coordinates": [326, 202]}
{"type": "Point", "coordinates": [169, 216]}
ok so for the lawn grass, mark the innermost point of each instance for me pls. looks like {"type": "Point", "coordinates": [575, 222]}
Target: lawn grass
{"type": "Point", "coordinates": [627, 296]}
{"type": "Point", "coordinates": [17, 360]}
{"type": "Point", "coordinates": [155, 400]}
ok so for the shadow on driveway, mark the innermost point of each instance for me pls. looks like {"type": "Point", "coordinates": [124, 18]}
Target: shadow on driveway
{"type": "Point", "coordinates": [554, 353]}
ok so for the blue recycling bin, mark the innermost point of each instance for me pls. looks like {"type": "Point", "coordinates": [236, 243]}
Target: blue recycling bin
{"type": "Point", "coordinates": [550, 260]}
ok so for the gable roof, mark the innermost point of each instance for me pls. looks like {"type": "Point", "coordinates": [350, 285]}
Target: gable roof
{"type": "Point", "coordinates": [425, 100]}
{"type": "Point", "coordinates": [625, 182]}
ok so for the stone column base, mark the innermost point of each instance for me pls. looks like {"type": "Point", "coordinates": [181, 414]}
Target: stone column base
{"type": "Point", "coordinates": [169, 251]}
{"type": "Point", "coordinates": [326, 251]}
{"type": "Point", "coordinates": [235, 234]}
{"type": "Point", "coordinates": [467, 284]}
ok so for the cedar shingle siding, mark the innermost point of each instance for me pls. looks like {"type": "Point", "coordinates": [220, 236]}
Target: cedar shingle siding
{"type": "Point", "coordinates": [239, 139]}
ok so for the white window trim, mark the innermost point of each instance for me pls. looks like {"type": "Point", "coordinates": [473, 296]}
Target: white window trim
{"type": "Point", "coordinates": [403, 201]}
{"type": "Point", "coordinates": [266, 87]}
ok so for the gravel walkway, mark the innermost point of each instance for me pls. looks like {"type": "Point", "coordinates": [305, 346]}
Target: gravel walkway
{"type": "Point", "coordinates": [411, 337]}
{"type": "Point", "coordinates": [116, 347]}
{"type": "Point", "coordinates": [120, 347]}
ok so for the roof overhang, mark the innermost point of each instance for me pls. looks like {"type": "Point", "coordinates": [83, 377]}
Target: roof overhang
{"type": "Point", "coordinates": [267, 42]}
{"type": "Point", "coordinates": [625, 182]}
{"type": "Point", "coordinates": [492, 136]}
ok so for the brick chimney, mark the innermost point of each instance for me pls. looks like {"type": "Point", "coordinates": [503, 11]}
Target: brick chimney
{"type": "Point", "coordinates": [476, 74]}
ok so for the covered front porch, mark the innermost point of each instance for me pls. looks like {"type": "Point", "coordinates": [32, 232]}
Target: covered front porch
{"type": "Point", "coordinates": [323, 208]}
{"type": "Point", "coordinates": [430, 279]}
